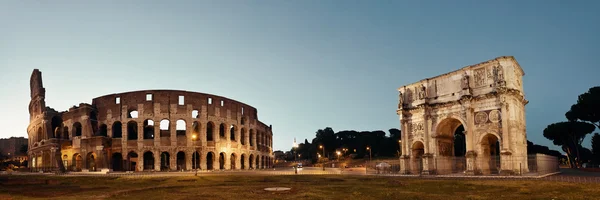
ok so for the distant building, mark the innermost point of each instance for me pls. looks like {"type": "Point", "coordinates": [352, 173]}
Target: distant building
{"type": "Point", "coordinates": [12, 146]}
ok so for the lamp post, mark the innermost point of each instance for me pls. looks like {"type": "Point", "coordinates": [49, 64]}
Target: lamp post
{"type": "Point", "coordinates": [338, 154]}
{"type": "Point", "coordinates": [368, 148]}
{"type": "Point", "coordinates": [321, 147]}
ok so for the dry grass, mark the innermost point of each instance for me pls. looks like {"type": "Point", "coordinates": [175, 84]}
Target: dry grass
{"type": "Point", "coordinates": [303, 187]}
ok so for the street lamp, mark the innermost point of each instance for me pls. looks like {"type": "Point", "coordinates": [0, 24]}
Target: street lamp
{"type": "Point", "coordinates": [338, 154]}
{"type": "Point", "coordinates": [368, 148]}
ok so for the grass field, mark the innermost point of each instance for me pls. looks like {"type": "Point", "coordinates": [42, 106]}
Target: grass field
{"type": "Point", "coordinates": [303, 187]}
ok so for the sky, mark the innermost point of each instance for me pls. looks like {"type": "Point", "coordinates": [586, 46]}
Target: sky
{"type": "Point", "coordinates": [305, 65]}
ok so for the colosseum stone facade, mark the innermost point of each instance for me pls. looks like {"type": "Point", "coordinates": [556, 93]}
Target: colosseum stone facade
{"type": "Point", "coordinates": [151, 130]}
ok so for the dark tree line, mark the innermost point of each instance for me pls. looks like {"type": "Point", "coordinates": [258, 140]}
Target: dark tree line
{"type": "Point", "coordinates": [349, 143]}
{"type": "Point", "coordinates": [582, 119]}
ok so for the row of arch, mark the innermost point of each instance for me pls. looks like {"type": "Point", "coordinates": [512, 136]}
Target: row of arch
{"type": "Point", "coordinates": [134, 114]}
{"type": "Point", "coordinates": [148, 161]}
{"type": "Point", "coordinates": [148, 127]}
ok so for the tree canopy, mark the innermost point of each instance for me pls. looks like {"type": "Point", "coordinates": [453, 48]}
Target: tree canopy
{"type": "Point", "coordinates": [569, 135]}
{"type": "Point", "coordinates": [587, 107]}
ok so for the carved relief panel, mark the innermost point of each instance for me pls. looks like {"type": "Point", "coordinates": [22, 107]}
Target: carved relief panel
{"type": "Point", "coordinates": [479, 77]}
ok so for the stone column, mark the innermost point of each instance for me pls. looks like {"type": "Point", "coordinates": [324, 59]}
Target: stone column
{"type": "Point", "coordinates": [52, 160]}
{"type": "Point", "coordinates": [227, 159]}
{"type": "Point", "coordinates": [173, 132]}
{"type": "Point", "coordinates": [140, 134]}
{"type": "Point", "coordinates": [157, 159]}
{"type": "Point", "coordinates": [428, 164]}
{"type": "Point", "coordinates": [189, 161]}
{"type": "Point", "coordinates": [100, 159]}
{"type": "Point", "coordinates": [173, 161]}
{"type": "Point", "coordinates": [203, 160]}
{"type": "Point", "coordinates": [471, 163]}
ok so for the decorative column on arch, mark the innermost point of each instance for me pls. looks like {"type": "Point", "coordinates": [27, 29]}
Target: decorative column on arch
{"type": "Point", "coordinates": [428, 163]}
{"type": "Point", "coordinates": [405, 158]}
{"type": "Point", "coordinates": [506, 166]}
{"type": "Point", "coordinates": [471, 155]}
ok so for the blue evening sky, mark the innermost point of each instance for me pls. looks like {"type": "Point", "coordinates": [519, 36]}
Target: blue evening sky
{"type": "Point", "coordinates": [304, 65]}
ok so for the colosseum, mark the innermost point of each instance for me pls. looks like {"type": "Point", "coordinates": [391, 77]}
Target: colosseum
{"type": "Point", "coordinates": [151, 130]}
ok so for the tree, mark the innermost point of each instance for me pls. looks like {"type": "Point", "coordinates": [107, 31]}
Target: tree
{"type": "Point", "coordinates": [596, 148]}
{"type": "Point", "coordinates": [569, 135]}
{"type": "Point", "coordinates": [587, 107]}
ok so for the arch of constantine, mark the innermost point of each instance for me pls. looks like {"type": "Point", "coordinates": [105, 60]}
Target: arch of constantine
{"type": "Point", "coordinates": [470, 121]}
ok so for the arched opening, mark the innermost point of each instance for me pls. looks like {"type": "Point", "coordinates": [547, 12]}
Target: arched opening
{"type": "Point", "coordinates": [132, 114]}
{"type": "Point", "coordinates": [257, 162]}
{"type": "Point", "coordinates": [77, 128]}
{"type": "Point", "coordinates": [243, 136]}
{"type": "Point", "coordinates": [56, 125]}
{"type": "Point", "coordinates": [148, 160]}
{"type": "Point", "coordinates": [232, 161]}
{"type": "Point", "coordinates": [418, 149]}
{"type": "Point", "coordinates": [65, 134]}
{"type": "Point", "coordinates": [117, 131]}
{"type": "Point", "coordinates": [243, 161]}
{"type": "Point", "coordinates": [77, 162]}
{"type": "Point", "coordinates": [180, 160]}
{"type": "Point", "coordinates": [452, 146]}
{"type": "Point", "coordinates": [103, 130]}
{"type": "Point", "coordinates": [251, 162]}
{"type": "Point", "coordinates": [209, 160]}
{"type": "Point", "coordinates": [222, 160]}
{"type": "Point", "coordinates": [165, 161]}
{"type": "Point", "coordinates": [195, 131]}
{"type": "Point", "coordinates": [222, 131]}
{"type": "Point", "coordinates": [196, 160]}
{"type": "Point", "coordinates": [39, 134]}
{"type": "Point", "coordinates": [117, 162]}
{"type": "Point", "coordinates": [232, 133]}
{"type": "Point", "coordinates": [194, 114]}
{"type": "Point", "coordinates": [165, 128]}
{"type": "Point", "coordinates": [132, 130]}
{"type": "Point", "coordinates": [490, 154]}
{"type": "Point", "coordinates": [148, 129]}
{"type": "Point", "coordinates": [94, 122]}
{"type": "Point", "coordinates": [180, 127]}
{"type": "Point", "coordinates": [132, 160]}
{"type": "Point", "coordinates": [209, 131]}
{"type": "Point", "coordinates": [91, 162]}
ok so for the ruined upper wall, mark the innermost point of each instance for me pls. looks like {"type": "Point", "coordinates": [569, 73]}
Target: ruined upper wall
{"type": "Point", "coordinates": [475, 80]}
{"type": "Point", "coordinates": [167, 101]}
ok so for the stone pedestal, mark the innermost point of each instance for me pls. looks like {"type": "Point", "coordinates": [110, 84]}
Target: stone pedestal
{"type": "Point", "coordinates": [428, 167]}
{"type": "Point", "coordinates": [506, 164]}
{"type": "Point", "coordinates": [404, 164]}
{"type": "Point", "coordinates": [471, 164]}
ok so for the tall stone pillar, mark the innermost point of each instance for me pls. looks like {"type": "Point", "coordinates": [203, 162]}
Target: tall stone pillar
{"type": "Point", "coordinates": [471, 163]}
{"type": "Point", "coordinates": [101, 159]}
{"type": "Point", "coordinates": [203, 163]}
{"type": "Point", "coordinates": [173, 161]}
{"type": "Point", "coordinates": [227, 161]}
{"type": "Point", "coordinates": [157, 160]}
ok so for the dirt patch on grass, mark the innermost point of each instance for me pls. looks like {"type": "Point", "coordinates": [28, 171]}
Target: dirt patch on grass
{"type": "Point", "coordinates": [135, 190]}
